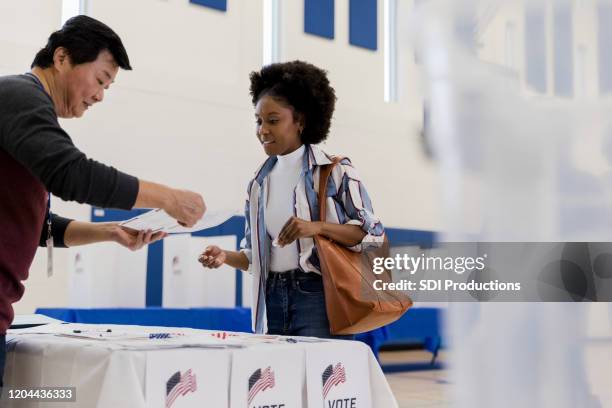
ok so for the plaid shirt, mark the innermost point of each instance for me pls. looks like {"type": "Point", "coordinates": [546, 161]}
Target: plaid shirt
{"type": "Point", "coordinates": [347, 203]}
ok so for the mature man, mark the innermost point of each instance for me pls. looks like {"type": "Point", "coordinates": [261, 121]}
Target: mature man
{"type": "Point", "coordinates": [69, 75]}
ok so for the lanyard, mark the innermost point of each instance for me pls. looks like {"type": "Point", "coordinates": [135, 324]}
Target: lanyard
{"type": "Point", "coordinates": [49, 236]}
{"type": "Point", "coordinates": [49, 242]}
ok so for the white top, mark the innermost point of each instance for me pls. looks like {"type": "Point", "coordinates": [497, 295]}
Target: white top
{"type": "Point", "coordinates": [349, 205]}
{"type": "Point", "coordinates": [280, 207]}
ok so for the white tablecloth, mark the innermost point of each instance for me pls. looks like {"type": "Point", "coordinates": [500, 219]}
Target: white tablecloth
{"type": "Point", "coordinates": [114, 366]}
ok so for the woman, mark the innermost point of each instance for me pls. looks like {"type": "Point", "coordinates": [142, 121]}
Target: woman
{"type": "Point", "coordinates": [294, 103]}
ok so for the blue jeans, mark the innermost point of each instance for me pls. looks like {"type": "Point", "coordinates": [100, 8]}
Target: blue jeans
{"type": "Point", "coordinates": [295, 305]}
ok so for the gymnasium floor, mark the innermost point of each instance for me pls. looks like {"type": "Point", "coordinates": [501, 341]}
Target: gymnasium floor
{"type": "Point", "coordinates": [417, 389]}
{"type": "Point", "coordinates": [431, 388]}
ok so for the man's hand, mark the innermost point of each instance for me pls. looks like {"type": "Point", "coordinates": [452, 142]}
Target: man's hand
{"type": "Point", "coordinates": [83, 233]}
{"type": "Point", "coordinates": [186, 207]}
{"type": "Point", "coordinates": [296, 228]}
{"type": "Point", "coordinates": [132, 239]}
{"type": "Point", "coordinates": [212, 257]}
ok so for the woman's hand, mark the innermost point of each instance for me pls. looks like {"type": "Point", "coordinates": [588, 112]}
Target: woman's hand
{"type": "Point", "coordinates": [296, 228]}
{"type": "Point", "coordinates": [212, 257]}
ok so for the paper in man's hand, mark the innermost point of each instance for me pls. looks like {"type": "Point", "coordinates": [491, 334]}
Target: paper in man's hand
{"type": "Point", "coordinates": [158, 220]}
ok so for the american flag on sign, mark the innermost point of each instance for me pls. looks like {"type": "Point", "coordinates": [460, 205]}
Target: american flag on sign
{"type": "Point", "coordinates": [179, 384]}
{"type": "Point", "coordinates": [260, 381]}
{"type": "Point", "coordinates": [332, 376]}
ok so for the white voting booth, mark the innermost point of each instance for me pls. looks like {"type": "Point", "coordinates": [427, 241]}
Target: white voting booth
{"type": "Point", "coordinates": [187, 283]}
{"type": "Point", "coordinates": [107, 275]}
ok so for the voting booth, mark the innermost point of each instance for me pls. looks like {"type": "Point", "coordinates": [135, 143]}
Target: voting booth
{"type": "Point", "coordinates": [187, 283]}
{"type": "Point", "coordinates": [106, 275]}
{"type": "Point", "coordinates": [164, 274]}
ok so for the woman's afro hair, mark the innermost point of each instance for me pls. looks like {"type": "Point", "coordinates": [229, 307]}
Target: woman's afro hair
{"type": "Point", "coordinates": [304, 87]}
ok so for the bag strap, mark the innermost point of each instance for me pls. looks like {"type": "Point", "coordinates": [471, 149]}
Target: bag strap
{"type": "Point", "coordinates": [324, 174]}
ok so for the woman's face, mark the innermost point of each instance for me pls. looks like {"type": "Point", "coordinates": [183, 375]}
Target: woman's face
{"type": "Point", "coordinates": [277, 129]}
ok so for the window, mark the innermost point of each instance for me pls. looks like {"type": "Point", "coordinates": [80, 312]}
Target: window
{"type": "Point", "coordinates": [581, 69]}
{"type": "Point", "coordinates": [563, 49]}
{"type": "Point", "coordinates": [70, 8]}
{"type": "Point", "coordinates": [604, 36]}
{"type": "Point", "coordinates": [511, 46]}
{"type": "Point", "coordinates": [271, 24]}
{"type": "Point", "coordinates": [535, 47]}
{"type": "Point", "coordinates": [390, 50]}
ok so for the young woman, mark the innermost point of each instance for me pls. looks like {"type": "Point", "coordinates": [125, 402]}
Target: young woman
{"type": "Point", "coordinates": [294, 103]}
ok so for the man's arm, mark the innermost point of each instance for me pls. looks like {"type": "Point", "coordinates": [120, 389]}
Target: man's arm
{"type": "Point", "coordinates": [83, 233]}
{"type": "Point", "coordinates": [58, 230]}
{"type": "Point", "coordinates": [70, 233]}
{"type": "Point", "coordinates": [33, 136]}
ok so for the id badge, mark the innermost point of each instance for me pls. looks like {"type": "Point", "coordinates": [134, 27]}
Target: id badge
{"type": "Point", "coordinates": [49, 257]}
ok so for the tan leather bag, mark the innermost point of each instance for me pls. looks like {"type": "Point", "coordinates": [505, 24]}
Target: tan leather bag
{"type": "Point", "coordinates": [353, 305]}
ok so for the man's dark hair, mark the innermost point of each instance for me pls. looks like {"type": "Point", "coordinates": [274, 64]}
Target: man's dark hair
{"type": "Point", "coordinates": [305, 88]}
{"type": "Point", "coordinates": [83, 38]}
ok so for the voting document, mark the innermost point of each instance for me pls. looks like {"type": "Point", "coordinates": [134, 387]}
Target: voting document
{"type": "Point", "coordinates": [158, 220]}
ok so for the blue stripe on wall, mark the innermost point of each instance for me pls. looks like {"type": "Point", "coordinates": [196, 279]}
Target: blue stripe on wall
{"type": "Point", "coordinates": [405, 237]}
{"type": "Point", "coordinates": [319, 18]}
{"type": "Point", "coordinates": [155, 274]}
{"type": "Point", "coordinates": [363, 23]}
{"type": "Point", "coordinates": [215, 4]}
{"type": "Point", "coordinates": [155, 254]}
{"type": "Point", "coordinates": [535, 47]}
{"type": "Point", "coordinates": [234, 227]}
{"type": "Point", "coordinates": [563, 38]}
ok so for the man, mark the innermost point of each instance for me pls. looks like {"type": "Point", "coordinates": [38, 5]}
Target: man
{"type": "Point", "coordinates": [69, 75]}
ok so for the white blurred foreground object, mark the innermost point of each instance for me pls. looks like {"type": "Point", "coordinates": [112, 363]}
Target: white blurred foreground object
{"type": "Point", "coordinates": [158, 220]}
{"type": "Point", "coordinates": [518, 94]}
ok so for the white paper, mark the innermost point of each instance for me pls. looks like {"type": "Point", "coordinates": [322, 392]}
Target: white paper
{"type": "Point", "coordinates": [159, 220]}
{"type": "Point", "coordinates": [30, 320]}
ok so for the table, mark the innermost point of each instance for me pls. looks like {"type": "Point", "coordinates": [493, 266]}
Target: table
{"type": "Point", "coordinates": [420, 325]}
{"type": "Point", "coordinates": [211, 318]}
{"type": "Point", "coordinates": [142, 366]}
